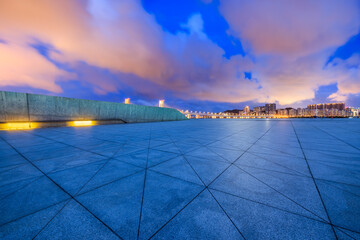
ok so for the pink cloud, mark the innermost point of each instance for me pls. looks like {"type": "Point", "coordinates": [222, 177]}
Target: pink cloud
{"type": "Point", "coordinates": [122, 37]}
{"type": "Point", "coordinates": [123, 43]}
{"type": "Point", "coordinates": [292, 27]}
{"type": "Point", "coordinates": [291, 42]}
{"type": "Point", "coordinates": [21, 65]}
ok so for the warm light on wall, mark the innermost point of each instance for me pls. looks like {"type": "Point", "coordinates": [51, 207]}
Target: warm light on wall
{"type": "Point", "coordinates": [31, 125]}
{"type": "Point", "coordinates": [17, 125]}
{"type": "Point", "coordinates": [81, 123]}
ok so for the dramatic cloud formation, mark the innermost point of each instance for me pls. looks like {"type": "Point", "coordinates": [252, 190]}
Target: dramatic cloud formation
{"type": "Point", "coordinates": [121, 36]}
{"type": "Point", "coordinates": [292, 41]}
{"type": "Point", "coordinates": [109, 44]}
{"type": "Point", "coordinates": [118, 35]}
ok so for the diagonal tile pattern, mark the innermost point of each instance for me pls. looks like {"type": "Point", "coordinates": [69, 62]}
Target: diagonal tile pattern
{"type": "Point", "coordinates": [196, 179]}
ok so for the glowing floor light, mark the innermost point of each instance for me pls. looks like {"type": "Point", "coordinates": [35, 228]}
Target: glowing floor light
{"type": "Point", "coordinates": [17, 125]}
{"type": "Point", "coordinates": [81, 123]}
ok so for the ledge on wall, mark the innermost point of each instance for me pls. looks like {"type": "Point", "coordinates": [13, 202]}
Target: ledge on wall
{"type": "Point", "coordinates": [26, 111]}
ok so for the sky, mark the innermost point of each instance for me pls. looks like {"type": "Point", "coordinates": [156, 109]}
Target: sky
{"type": "Point", "coordinates": [200, 55]}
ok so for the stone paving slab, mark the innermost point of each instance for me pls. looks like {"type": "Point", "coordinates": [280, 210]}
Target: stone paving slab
{"type": "Point", "coordinates": [196, 179]}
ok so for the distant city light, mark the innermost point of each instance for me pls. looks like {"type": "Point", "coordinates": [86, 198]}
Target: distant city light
{"type": "Point", "coordinates": [127, 100]}
{"type": "Point", "coordinates": [322, 110]}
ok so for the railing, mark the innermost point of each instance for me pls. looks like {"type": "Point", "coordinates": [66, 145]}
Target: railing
{"type": "Point", "coordinates": [196, 114]}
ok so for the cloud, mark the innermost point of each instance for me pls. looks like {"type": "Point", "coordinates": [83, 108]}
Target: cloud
{"type": "Point", "coordinates": [348, 74]}
{"type": "Point", "coordinates": [22, 65]}
{"type": "Point", "coordinates": [195, 25]}
{"type": "Point", "coordinates": [292, 27]}
{"type": "Point", "coordinates": [292, 41]}
{"type": "Point", "coordinates": [128, 41]}
{"type": "Point", "coordinates": [121, 37]}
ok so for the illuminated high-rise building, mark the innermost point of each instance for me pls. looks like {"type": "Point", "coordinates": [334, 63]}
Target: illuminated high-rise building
{"type": "Point", "coordinates": [259, 110]}
{"type": "Point", "coordinates": [246, 110]}
{"type": "Point", "coordinates": [270, 107]}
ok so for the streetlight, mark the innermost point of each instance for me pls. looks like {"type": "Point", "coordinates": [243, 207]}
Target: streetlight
{"type": "Point", "coordinates": [161, 103]}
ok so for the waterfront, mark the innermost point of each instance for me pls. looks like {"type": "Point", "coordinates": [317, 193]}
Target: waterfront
{"type": "Point", "coordinates": [206, 179]}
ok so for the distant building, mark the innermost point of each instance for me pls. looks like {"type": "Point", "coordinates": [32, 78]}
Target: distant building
{"type": "Point", "coordinates": [291, 112]}
{"type": "Point", "coordinates": [234, 111]}
{"type": "Point", "coordinates": [282, 112]}
{"type": "Point", "coordinates": [355, 112]}
{"type": "Point", "coordinates": [270, 107]}
{"type": "Point", "coordinates": [246, 110]}
{"type": "Point", "coordinates": [322, 106]}
{"type": "Point", "coordinates": [259, 110]}
{"type": "Point", "coordinates": [326, 110]}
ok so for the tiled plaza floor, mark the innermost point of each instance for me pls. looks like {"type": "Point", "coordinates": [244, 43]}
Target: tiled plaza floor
{"type": "Point", "coordinates": [196, 179]}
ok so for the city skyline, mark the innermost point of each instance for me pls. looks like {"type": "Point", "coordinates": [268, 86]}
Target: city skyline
{"type": "Point", "coordinates": [313, 110]}
{"type": "Point", "coordinates": [199, 55]}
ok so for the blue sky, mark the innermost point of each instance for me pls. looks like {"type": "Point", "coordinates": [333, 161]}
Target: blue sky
{"type": "Point", "coordinates": [197, 55]}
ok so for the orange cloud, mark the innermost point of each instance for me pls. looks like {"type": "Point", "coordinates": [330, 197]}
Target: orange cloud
{"type": "Point", "coordinates": [122, 37]}
{"type": "Point", "coordinates": [23, 66]}
{"type": "Point", "coordinates": [292, 27]}
{"type": "Point", "coordinates": [292, 41]}
{"type": "Point", "coordinates": [124, 43]}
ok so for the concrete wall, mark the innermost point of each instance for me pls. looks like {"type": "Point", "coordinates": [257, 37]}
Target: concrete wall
{"type": "Point", "coordinates": [33, 107]}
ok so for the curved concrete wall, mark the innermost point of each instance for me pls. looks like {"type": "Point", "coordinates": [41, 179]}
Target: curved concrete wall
{"type": "Point", "coordinates": [35, 108]}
